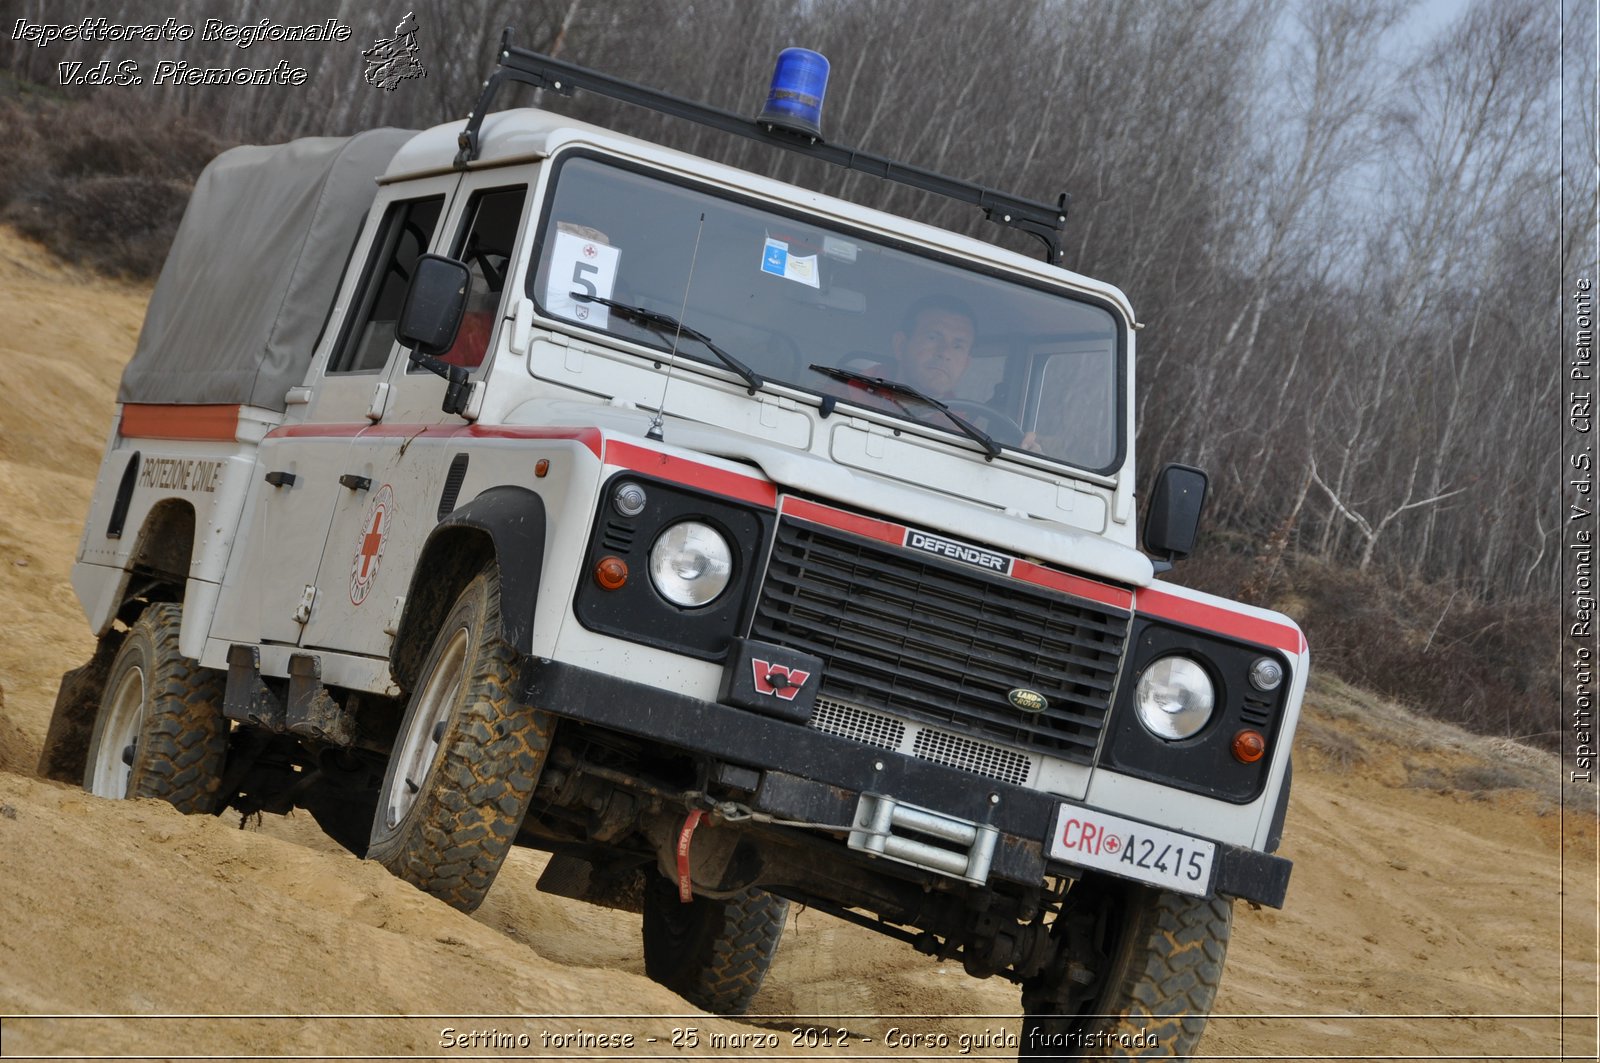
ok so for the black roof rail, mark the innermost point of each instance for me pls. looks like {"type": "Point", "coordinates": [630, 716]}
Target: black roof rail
{"type": "Point", "coordinates": [1042, 220]}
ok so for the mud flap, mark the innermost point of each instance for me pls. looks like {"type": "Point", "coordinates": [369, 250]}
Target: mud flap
{"type": "Point", "coordinates": [66, 744]}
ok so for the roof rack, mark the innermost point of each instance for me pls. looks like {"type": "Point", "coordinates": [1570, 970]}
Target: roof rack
{"type": "Point", "coordinates": [1041, 220]}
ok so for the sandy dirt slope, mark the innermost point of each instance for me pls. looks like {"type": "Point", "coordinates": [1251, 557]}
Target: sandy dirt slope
{"type": "Point", "coordinates": [1428, 881]}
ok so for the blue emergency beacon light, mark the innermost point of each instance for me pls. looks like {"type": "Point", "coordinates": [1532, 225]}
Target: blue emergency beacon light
{"type": "Point", "coordinates": [791, 120]}
{"type": "Point", "coordinates": [794, 105]}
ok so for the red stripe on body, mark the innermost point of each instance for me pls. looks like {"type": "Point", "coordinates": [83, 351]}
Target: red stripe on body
{"type": "Point", "coordinates": [691, 473]}
{"type": "Point", "coordinates": [589, 437]}
{"type": "Point", "coordinates": [1067, 583]}
{"type": "Point", "coordinates": [867, 527]}
{"type": "Point", "coordinates": [1207, 617]}
{"type": "Point", "coordinates": [151, 421]}
{"type": "Point", "coordinates": [317, 431]}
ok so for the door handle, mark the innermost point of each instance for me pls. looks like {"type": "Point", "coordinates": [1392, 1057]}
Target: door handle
{"type": "Point", "coordinates": [280, 479]}
{"type": "Point", "coordinates": [354, 482]}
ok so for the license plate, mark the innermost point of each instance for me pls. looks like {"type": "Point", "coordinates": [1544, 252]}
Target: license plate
{"type": "Point", "coordinates": [1133, 850]}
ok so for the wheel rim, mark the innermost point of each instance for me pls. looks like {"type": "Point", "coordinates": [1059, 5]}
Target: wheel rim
{"type": "Point", "coordinates": [421, 748]}
{"type": "Point", "coordinates": [113, 766]}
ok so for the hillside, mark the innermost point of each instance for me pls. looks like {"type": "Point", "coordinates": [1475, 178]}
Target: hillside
{"type": "Point", "coordinates": [1429, 877]}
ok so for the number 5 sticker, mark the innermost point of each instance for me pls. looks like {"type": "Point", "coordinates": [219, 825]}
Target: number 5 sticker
{"type": "Point", "coordinates": [581, 267]}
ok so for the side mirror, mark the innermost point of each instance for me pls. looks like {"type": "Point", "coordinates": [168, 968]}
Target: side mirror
{"type": "Point", "coordinates": [430, 318]}
{"type": "Point", "coordinates": [435, 303]}
{"type": "Point", "coordinates": [1173, 521]}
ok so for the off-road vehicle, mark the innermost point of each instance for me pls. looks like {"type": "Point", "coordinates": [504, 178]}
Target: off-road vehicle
{"type": "Point", "coordinates": [680, 573]}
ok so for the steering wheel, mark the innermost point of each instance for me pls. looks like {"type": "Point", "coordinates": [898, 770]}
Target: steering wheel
{"type": "Point", "coordinates": [1001, 428]}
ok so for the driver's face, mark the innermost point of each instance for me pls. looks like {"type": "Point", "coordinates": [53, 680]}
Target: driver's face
{"type": "Point", "coordinates": [935, 354]}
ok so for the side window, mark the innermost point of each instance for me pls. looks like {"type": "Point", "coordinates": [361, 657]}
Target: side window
{"type": "Point", "coordinates": [484, 244]}
{"type": "Point", "coordinates": [407, 231]}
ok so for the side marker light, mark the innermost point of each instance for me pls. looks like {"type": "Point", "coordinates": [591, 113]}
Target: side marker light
{"type": "Point", "coordinates": [1249, 746]}
{"type": "Point", "coordinates": [611, 572]}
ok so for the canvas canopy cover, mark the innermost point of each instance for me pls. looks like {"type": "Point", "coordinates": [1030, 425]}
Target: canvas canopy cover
{"type": "Point", "coordinates": [254, 270]}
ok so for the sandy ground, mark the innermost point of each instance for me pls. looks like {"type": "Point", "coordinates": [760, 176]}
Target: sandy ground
{"type": "Point", "coordinates": [1443, 903]}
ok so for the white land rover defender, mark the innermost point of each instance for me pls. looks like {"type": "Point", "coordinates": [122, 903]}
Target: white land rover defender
{"type": "Point", "coordinates": [684, 573]}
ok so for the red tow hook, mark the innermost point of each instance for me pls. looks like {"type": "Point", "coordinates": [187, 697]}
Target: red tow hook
{"type": "Point", "coordinates": [690, 822]}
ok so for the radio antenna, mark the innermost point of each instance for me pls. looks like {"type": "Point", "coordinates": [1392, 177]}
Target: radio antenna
{"type": "Point", "coordinates": [654, 431]}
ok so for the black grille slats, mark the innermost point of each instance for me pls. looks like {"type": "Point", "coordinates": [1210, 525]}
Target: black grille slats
{"type": "Point", "coordinates": [931, 640]}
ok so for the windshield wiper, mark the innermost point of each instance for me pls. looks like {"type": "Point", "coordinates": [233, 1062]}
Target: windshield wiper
{"type": "Point", "coordinates": [664, 323]}
{"type": "Point", "coordinates": [891, 388]}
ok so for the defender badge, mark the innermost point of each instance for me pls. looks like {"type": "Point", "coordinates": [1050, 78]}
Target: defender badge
{"type": "Point", "coordinates": [1028, 700]}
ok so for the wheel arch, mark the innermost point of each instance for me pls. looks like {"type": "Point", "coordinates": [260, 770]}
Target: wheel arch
{"type": "Point", "coordinates": [165, 545]}
{"type": "Point", "coordinates": [504, 526]}
{"type": "Point", "coordinates": [157, 568]}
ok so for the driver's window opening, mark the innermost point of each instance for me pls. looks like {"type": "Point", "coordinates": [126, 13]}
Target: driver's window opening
{"type": "Point", "coordinates": [485, 244]}
{"type": "Point", "coordinates": [1035, 369]}
{"type": "Point", "coordinates": [408, 229]}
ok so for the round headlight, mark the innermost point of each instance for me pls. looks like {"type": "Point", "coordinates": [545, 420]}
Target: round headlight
{"type": "Point", "coordinates": [1174, 698]}
{"type": "Point", "coordinates": [691, 563]}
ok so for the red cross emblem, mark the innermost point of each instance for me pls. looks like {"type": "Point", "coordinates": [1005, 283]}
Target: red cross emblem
{"type": "Point", "coordinates": [589, 251]}
{"type": "Point", "coordinates": [370, 542]}
{"type": "Point", "coordinates": [369, 545]}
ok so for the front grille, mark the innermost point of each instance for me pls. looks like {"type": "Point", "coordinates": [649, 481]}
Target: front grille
{"type": "Point", "coordinates": [885, 732]}
{"type": "Point", "coordinates": [858, 725]}
{"type": "Point", "coordinates": [980, 758]}
{"type": "Point", "coordinates": [935, 641]}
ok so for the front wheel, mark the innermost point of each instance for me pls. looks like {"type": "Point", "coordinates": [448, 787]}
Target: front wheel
{"type": "Point", "coordinates": [465, 761]}
{"type": "Point", "coordinates": [1157, 964]}
{"type": "Point", "coordinates": [160, 731]}
{"type": "Point", "coordinates": [712, 953]}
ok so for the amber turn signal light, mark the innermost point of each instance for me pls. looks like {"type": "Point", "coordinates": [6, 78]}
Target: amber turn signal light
{"type": "Point", "coordinates": [611, 573]}
{"type": "Point", "coordinates": [1249, 746]}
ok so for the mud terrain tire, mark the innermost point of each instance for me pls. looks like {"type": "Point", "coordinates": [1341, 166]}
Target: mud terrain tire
{"type": "Point", "coordinates": [712, 953]}
{"type": "Point", "coordinates": [160, 731]}
{"type": "Point", "coordinates": [465, 760]}
{"type": "Point", "coordinates": [1165, 963]}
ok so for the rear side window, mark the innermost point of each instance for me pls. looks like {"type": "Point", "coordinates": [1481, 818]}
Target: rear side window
{"type": "Point", "coordinates": [406, 234]}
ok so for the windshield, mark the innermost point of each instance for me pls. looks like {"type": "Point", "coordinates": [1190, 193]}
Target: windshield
{"type": "Point", "coordinates": [1032, 368]}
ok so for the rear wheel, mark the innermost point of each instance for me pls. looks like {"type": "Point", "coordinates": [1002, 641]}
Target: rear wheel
{"type": "Point", "coordinates": [1152, 985]}
{"type": "Point", "coordinates": [712, 953]}
{"type": "Point", "coordinates": [160, 731]}
{"type": "Point", "coordinates": [465, 761]}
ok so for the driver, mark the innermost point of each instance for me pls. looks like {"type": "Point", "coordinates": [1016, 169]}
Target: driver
{"type": "Point", "coordinates": [932, 350]}
{"type": "Point", "coordinates": [933, 346]}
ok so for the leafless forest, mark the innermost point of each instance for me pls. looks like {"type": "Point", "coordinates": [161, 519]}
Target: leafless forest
{"type": "Point", "coordinates": [1348, 238]}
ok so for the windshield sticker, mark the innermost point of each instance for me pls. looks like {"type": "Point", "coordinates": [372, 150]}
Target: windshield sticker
{"type": "Point", "coordinates": [843, 250]}
{"type": "Point", "coordinates": [581, 265]}
{"type": "Point", "coordinates": [776, 260]}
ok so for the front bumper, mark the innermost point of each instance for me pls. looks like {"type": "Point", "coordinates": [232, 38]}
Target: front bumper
{"type": "Point", "coordinates": [817, 777]}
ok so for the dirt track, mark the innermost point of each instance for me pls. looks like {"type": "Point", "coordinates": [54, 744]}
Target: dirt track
{"type": "Point", "coordinates": [1428, 867]}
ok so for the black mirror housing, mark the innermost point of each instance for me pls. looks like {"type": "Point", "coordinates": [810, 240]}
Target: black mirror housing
{"type": "Point", "coordinates": [435, 302]}
{"type": "Point", "coordinates": [1173, 521]}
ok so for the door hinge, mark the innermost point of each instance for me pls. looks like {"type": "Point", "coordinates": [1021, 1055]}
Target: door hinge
{"type": "Point", "coordinates": [308, 598]}
{"type": "Point", "coordinates": [380, 402]}
{"type": "Point", "coordinates": [391, 626]}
